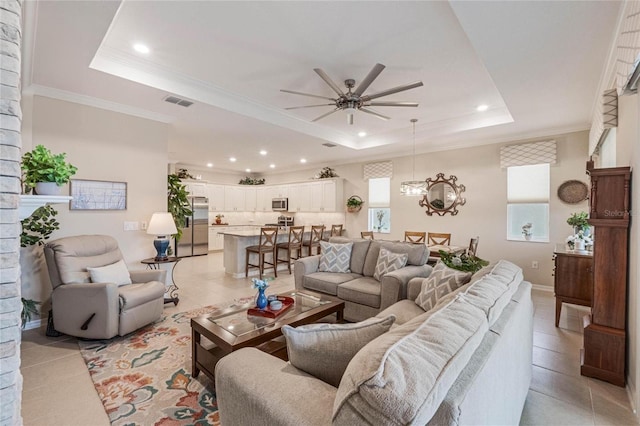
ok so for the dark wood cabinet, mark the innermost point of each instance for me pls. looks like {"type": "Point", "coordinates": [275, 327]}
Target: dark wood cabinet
{"type": "Point", "coordinates": [573, 281]}
{"type": "Point", "coordinates": [605, 329]}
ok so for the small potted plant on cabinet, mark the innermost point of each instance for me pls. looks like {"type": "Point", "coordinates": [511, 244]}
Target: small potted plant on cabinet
{"type": "Point", "coordinates": [45, 172]}
{"type": "Point", "coordinates": [219, 219]}
{"type": "Point", "coordinates": [579, 221]}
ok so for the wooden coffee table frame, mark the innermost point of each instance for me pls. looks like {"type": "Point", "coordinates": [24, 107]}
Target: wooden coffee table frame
{"type": "Point", "coordinates": [205, 359]}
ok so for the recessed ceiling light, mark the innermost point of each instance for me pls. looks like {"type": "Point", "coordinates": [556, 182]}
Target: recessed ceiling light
{"type": "Point", "coordinates": [232, 159]}
{"type": "Point", "coordinates": [362, 134]}
{"type": "Point", "coordinates": [482, 107]}
{"type": "Point", "coordinates": [303, 160]}
{"type": "Point", "coordinates": [141, 48]}
{"type": "Point", "coordinates": [209, 164]}
{"type": "Point", "coordinates": [263, 152]}
{"type": "Point", "coordinates": [247, 170]}
{"type": "Point", "coordinates": [273, 166]}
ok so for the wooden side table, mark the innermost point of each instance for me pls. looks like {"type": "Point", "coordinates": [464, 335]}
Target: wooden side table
{"type": "Point", "coordinates": [152, 263]}
{"type": "Point", "coordinates": [573, 281]}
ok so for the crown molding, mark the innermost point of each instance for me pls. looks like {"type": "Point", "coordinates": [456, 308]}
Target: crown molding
{"type": "Point", "coordinates": [64, 95]}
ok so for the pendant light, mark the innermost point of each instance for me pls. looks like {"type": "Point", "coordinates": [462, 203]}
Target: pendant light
{"type": "Point", "coordinates": [414, 187]}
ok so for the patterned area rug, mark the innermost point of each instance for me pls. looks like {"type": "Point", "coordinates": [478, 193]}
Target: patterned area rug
{"type": "Point", "coordinates": [144, 378]}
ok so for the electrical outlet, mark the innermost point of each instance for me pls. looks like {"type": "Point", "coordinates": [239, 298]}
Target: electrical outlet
{"type": "Point", "coordinates": [143, 225]}
{"type": "Point", "coordinates": [534, 264]}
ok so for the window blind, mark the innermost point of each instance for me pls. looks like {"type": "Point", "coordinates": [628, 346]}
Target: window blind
{"type": "Point", "coordinates": [528, 184]}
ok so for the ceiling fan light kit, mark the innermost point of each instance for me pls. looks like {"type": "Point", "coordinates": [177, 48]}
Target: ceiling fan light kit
{"type": "Point", "coordinates": [355, 100]}
{"type": "Point", "coordinates": [414, 188]}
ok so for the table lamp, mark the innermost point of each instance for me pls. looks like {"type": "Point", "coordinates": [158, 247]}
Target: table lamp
{"type": "Point", "coordinates": [162, 226]}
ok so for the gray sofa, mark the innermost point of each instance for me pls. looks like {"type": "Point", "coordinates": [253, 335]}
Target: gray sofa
{"type": "Point", "coordinates": [364, 296]}
{"type": "Point", "coordinates": [466, 361]}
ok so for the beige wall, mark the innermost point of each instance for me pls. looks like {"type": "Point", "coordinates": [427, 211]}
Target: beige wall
{"type": "Point", "coordinates": [104, 145]}
{"type": "Point", "coordinates": [484, 214]}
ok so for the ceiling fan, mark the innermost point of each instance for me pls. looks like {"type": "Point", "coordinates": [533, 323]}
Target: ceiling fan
{"type": "Point", "coordinates": [353, 101]}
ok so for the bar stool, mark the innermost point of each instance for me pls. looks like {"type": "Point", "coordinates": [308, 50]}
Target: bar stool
{"type": "Point", "coordinates": [294, 243]}
{"type": "Point", "coordinates": [317, 231]}
{"type": "Point", "coordinates": [266, 245]}
{"type": "Point", "coordinates": [336, 231]}
{"type": "Point", "coordinates": [415, 237]}
{"type": "Point", "coordinates": [367, 235]}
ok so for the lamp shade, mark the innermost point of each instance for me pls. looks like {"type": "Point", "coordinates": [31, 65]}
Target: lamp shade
{"type": "Point", "coordinates": [162, 223]}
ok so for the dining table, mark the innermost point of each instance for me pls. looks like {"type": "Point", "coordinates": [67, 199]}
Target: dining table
{"type": "Point", "coordinates": [434, 249]}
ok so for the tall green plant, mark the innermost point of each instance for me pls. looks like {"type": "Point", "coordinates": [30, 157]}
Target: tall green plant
{"type": "Point", "coordinates": [178, 203]}
{"type": "Point", "coordinates": [39, 226]}
{"type": "Point", "coordinates": [29, 308]}
{"type": "Point", "coordinates": [41, 165]}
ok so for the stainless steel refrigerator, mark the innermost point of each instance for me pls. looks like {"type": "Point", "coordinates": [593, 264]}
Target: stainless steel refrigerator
{"type": "Point", "coordinates": [195, 234]}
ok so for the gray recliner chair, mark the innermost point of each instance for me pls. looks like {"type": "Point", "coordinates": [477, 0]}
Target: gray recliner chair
{"type": "Point", "coordinates": [93, 310]}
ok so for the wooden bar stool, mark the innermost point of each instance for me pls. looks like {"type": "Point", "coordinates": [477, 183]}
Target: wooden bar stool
{"type": "Point", "coordinates": [367, 235]}
{"type": "Point", "coordinates": [439, 239]}
{"type": "Point", "coordinates": [317, 232]}
{"type": "Point", "coordinates": [266, 245]}
{"type": "Point", "coordinates": [415, 237]}
{"type": "Point", "coordinates": [294, 243]}
{"type": "Point", "coordinates": [336, 231]}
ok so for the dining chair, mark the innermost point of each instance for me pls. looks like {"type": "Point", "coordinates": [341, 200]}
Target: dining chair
{"type": "Point", "coordinates": [440, 239]}
{"type": "Point", "coordinates": [336, 231]}
{"type": "Point", "coordinates": [294, 243]}
{"type": "Point", "coordinates": [414, 237]}
{"type": "Point", "coordinates": [317, 232]}
{"type": "Point", "coordinates": [473, 246]}
{"type": "Point", "coordinates": [367, 235]}
{"type": "Point", "coordinates": [266, 245]}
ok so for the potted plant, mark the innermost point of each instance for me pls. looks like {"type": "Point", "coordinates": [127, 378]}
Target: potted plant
{"type": "Point", "coordinates": [45, 172]}
{"type": "Point", "coordinates": [462, 262]}
{"type": "Point", "coordinates": [326, 173]}
{"type": "Point", "coordinates": [526, 231]}
{"type": "Point", "coordinates": [354, 204]}
{"type": "Point", "coordinates": [219, 219]}
{"type": "Point", "coordinates": [178, 203]}
{"type": "Point", "coordinates": [579, 221]}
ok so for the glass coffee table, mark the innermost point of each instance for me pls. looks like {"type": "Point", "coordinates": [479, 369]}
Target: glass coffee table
{"type": "Point", "coordinates": [233, 329]}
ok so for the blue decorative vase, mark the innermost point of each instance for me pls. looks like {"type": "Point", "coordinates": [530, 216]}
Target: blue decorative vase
{"type": "Point", "coordinates": [261, 300]}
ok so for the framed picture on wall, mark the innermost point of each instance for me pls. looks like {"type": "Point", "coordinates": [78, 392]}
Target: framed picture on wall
{"type": "Point", "coordinates": [97, 195]}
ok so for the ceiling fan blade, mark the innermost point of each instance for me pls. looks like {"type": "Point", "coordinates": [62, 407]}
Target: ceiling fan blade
{"type": "Point", "coordinates": [310, 106]}
{"type": "Point", "coordinates": [306, 94]}
{"type": "Point", "coordinates": [392, 91]}
{"type": "Point", "coordinates": [391, 103]}
{"type": "Point", "coordinates": [364, 84]}
{"type": "Point", "coordinates": [324, 115]}
{"type": "Point", "coordinates": [368, 111]}
{"type": "Point", "coordinates": [323, 75]}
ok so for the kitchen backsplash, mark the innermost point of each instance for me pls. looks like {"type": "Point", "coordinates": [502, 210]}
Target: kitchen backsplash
{"type": "Point", "coordinates": [262, 218]}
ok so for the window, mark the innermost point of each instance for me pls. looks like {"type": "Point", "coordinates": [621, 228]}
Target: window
{"type": "Point", "coordinates": [379, 202]}
{"type": "Point", "coordinates": [528, 202]}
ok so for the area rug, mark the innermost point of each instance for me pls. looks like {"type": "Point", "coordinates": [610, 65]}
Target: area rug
{"type": "Point", "coordinates": [144, 378]}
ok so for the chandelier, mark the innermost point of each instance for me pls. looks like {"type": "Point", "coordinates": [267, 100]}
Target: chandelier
{"type": "Point", "coordinates": [414, 187]}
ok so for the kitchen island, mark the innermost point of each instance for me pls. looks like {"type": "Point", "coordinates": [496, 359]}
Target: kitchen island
{"type": "Point", "coordinates": [235, 249]}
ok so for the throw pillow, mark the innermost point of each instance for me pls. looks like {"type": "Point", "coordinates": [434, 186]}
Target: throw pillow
{"type": "Point", "coordinates": [114, 273]}
{"type": "Point", "coordinates": [335, 257]}
{"type": "Point", "coordinates": [325, 350]}
{"type": "Point", "coordinates": [442, 281]}
{"type": "Point", "coordinates": [389, 261]}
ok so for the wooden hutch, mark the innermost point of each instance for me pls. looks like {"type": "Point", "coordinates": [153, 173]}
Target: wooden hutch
{"type": "Point", "coordinates": [605, 329]}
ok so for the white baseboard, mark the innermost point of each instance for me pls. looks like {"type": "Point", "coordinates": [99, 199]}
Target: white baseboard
{"type": "Point", "coordinates": [541, 287]}
{"type": "Point", "coordinates": [33, 324]}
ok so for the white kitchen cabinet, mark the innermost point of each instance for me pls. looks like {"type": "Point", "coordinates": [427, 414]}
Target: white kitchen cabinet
{"type": "Point", "coordinates": [300, 197]}
{"type": "Point", "coordinates": [234, 198]}
{"type": "Point", "coordinates": [216, 237]}
{"type": "Point", "coordinates": [212, 238]}
{"type": "Point", "coordinates": [263, 201]}
{"type": "Point", "coordinates": [326, 195]}
{"type": "Point", "coordinates": [215, 193]}
{"type": "Point", "coordinates": [250, 194]}
{"type": "Point", "coordinates": [196, 189]}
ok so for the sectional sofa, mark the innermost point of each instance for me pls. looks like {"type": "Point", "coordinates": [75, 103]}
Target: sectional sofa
{"type": "Point", "coordinates": [465, 361]}
{"type": "Point", "coordinates": [363, 294]}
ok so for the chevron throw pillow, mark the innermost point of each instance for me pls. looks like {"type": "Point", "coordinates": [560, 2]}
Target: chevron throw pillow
{"type": "Point", "coordinates": [335, 257]}
{"type": "Point", "coordinates": [389, 261]}
{"type": "Point", "coordinates": [442, 281]}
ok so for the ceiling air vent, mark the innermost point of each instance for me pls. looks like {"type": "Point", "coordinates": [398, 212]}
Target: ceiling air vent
{"type": "Point", "coordinates": [178, 101]}
{"type": "Point", "coordinates": [329, 145]}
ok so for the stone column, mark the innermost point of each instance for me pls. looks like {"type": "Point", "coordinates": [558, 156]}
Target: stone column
{"type": "Point", "coordinates": [10, 153]}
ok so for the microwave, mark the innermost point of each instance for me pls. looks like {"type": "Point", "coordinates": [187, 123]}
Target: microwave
{"type": "Point", "coordinates": [279, 204]}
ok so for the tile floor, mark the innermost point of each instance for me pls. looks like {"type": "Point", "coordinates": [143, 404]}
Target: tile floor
{"type": "Point", "coordinates": [58, 390]}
